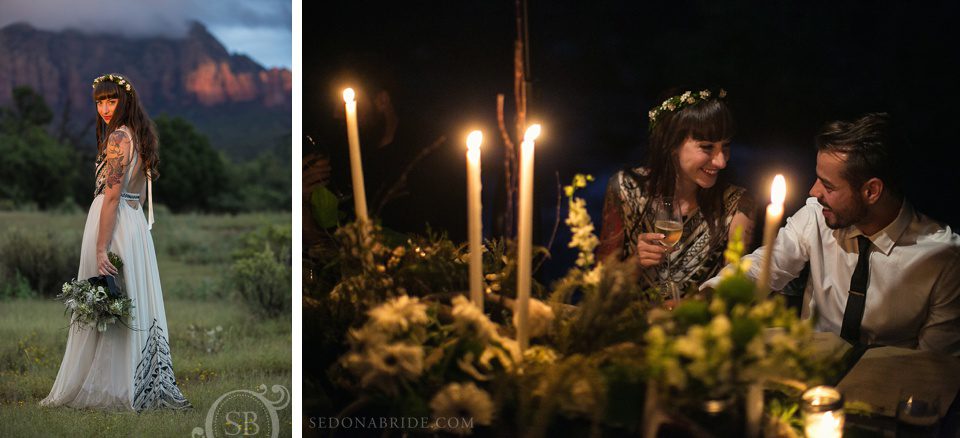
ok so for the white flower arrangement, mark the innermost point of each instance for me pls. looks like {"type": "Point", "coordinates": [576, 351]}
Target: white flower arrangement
{"type": "Point", "coordinates": [398, 315]}
{"type": "Point", "coordinates": [398, 359]}
{"type": "Point", "coordinates": [677, 103]}
{"type": "Point", "coordinates": [387, 348]}
{"type": "Point", "coordinates": [379, 366]}
{"type": "Point", "coordinates": [540, 317]}
{"type": "Point", "coordinates": [117, 79]}
{"type": "Point", "coordinates": [468, 320]}
{"type": "Point", "coordinates": [463, 401]}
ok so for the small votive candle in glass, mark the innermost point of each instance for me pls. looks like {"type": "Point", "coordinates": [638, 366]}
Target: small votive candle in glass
{"type": "Point", "coordinates": [822, 412]}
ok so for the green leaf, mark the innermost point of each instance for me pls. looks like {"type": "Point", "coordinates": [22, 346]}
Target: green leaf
{"type": "Point", "coordinates": [743, 331]}
{"type": "Point", "coordinates": [115, 260]}
{"type": "Point", "coordinates": [736, 289]}
{"type": "Point", "coordinates": [692, 312]}
{"type": "Point", "coordinates": [323, 205]}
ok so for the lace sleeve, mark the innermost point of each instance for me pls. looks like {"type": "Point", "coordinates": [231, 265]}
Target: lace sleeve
{"type": "Point", "coordinates": [611, 231]}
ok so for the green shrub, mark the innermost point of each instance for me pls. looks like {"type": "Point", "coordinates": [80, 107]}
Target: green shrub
{"type": "Point", "coordinates": [14, 286]}
{"type": "Point", "coordinates": [276, 237]}
{"type": "Point", "coordinates": [44, 260]}
{"type": "Point", "coordinates": [261, 271]}
{"type": "Point", "coordinates": [262, 281]}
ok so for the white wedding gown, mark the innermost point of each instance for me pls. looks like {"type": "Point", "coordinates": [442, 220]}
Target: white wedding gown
{"type": "Point", "coordinates": [121, 369]}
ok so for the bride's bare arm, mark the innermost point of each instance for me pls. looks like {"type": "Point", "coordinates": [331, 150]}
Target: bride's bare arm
{"type": "Point", "coordinates": [114, 167]}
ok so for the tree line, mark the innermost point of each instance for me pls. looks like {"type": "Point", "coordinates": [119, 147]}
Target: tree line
{"type": "Point", "coordinates": [41, 170]}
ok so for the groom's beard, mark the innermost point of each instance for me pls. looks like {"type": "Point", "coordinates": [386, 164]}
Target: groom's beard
{"type": "Point", "coordinates": [844, 217]}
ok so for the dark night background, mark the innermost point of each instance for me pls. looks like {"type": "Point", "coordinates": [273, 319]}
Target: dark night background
{"type": "Point", "coordinates": [597, 69]}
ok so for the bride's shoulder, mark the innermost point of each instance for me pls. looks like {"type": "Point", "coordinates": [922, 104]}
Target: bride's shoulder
{"type": "Point", "coordinates": [120, 138]}
{"type": "Point", "coordinates": [122, 133]}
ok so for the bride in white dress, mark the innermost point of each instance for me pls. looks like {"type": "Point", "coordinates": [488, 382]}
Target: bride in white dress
{"type": "Point", "coordinates": [121, 368]}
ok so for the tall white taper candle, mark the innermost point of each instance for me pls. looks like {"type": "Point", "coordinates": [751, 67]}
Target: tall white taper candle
{"type": "Point", "coordinates": [356, 169]}
{"type": "Point", "coordinates": [474, 222]}
{"type": "Point", "coordinates": [778, 192]}
{"type": "Point", "coordinates": [525, 235]}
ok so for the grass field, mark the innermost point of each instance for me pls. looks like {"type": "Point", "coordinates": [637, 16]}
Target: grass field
{"type": "Point", "coordinates": [194, 252]}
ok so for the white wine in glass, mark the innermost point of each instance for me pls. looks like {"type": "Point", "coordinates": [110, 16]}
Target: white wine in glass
{"type": "Point", "coordinates": [669, 222]}
{"type": "Point", "coordinates": [672, 231]}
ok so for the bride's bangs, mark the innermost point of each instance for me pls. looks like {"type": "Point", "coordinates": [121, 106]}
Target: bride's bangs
{"type": "Point", "coordinates": [106, 90]}
{"type": "Point", "coordinates": [708, 121]}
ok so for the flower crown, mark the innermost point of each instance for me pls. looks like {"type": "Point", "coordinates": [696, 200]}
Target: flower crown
{"type": "Point", "coordinates": [676, 103]}
{"type": "Point", "coordinates": [117, 79]}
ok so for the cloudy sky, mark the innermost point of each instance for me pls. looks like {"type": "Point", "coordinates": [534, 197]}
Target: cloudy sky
{"type": "Point", "coordinates": [261, 29]}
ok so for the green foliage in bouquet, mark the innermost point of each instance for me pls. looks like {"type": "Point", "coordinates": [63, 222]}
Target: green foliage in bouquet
{"type": "Point", "coordinates": [116, 262]}
{"type": "Point", "coordinates": [91, 304]}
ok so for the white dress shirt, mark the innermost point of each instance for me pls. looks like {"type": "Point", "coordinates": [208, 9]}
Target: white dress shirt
{"type": "Point", "coordinates": [913, 294]}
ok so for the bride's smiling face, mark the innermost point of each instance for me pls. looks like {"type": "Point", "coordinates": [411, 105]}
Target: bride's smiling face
{"type": "Point", "coordinates": [106, 108]}
{"type": "Point", "coordinates": [700, 160]}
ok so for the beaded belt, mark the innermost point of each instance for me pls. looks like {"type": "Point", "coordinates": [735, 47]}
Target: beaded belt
{"type": "Point", "coordinates": [130, 196]}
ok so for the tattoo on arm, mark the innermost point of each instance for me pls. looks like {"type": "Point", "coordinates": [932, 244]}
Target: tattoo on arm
{"type": "Point", "coordinates": [114, 164]}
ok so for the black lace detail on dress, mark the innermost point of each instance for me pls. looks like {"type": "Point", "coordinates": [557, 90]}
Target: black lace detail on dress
{"type": "Point", "coordinates": [153, 383]}
{"type": "Point", "coordinates": [98, 178]}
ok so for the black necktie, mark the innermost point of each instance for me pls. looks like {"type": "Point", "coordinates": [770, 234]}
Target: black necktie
{"type": "Point", "coordinates": [853, 314]}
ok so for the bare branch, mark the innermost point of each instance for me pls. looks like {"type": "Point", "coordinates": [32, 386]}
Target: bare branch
{"type": "Point", "coordinates": [503, 126]}
{"type": "Point", "coordinates": [509, 163]}
{"type": "Point", "coordinates": [556, 224]}
{"type": "Point", "coordinates": [398, 188]}
{"type": "Point", "coordinates": [519, 89]}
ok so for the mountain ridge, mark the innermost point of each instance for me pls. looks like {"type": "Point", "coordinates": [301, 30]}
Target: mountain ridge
{"type": "Point", "coordinates": [194, 75]}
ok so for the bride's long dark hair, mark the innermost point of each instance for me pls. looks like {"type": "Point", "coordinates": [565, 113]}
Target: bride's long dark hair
{"type": "Point", "coordinates": [129, 112]}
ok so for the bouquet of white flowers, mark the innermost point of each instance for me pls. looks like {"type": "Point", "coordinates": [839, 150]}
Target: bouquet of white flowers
{"type": "Point", "coordinates": [98, 300]}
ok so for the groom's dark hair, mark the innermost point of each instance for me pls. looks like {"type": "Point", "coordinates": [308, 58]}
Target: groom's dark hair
{"type": "Point", "coordinates": [871, 144]}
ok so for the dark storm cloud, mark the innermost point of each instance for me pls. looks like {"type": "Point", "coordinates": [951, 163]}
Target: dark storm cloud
{"type": "Point", "coordinates": [169, 17]}
{"type": "Point", "coordinates": [259, 28]}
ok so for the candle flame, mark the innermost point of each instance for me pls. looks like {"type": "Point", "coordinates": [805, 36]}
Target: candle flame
{"type": "Point", "coordinates": [349, 95]}
{"type": "Point", "coordinates": [778, 192]}
{"type": "Point", "coordinates": [532, 132]}
{"type": "Point", "coordinates": [474, 140]}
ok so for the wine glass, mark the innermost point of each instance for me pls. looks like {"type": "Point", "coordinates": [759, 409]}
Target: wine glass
{"type": "Point", "coordinates": [669, 222]}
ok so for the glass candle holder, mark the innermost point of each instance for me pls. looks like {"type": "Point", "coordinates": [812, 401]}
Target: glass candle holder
{"type": "Point", "coordinates": [822, 412]}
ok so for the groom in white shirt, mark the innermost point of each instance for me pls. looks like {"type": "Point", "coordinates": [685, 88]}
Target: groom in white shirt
{"type": "Point", "coordinates": [905, 288]}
